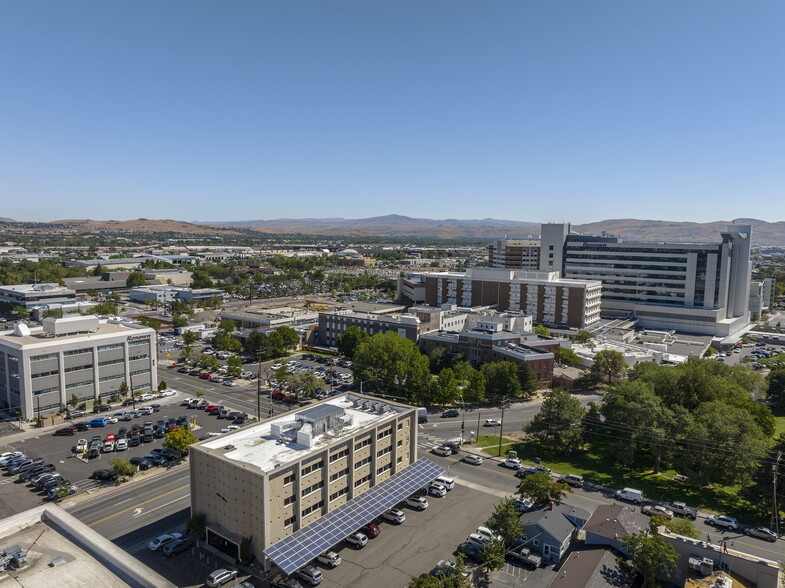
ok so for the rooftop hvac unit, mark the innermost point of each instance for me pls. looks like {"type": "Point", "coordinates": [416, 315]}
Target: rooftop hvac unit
{"type": "Point", "coordinates": [70, 324]}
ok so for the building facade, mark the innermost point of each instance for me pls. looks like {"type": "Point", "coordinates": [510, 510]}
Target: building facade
{"type": "Point", "coordinates": [271, 480]}
{"type": "Point", "coordinates": [42, 368]}
{"type": "Point", "coordinates": [32, 295]}
{"type": "Point", "coordinates": [515, 254]}
{"type": "Point", "coordinates": [549, 300]}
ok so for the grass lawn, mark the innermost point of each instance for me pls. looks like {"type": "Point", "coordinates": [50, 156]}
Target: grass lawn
{"type": "Point", "coordinates": [779, 426]}
{"type": "Point", "coordinates": [599, 468]}
{"type": "Point", "coordinates": [492, 441]}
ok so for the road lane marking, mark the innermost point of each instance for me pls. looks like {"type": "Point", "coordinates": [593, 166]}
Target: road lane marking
{"type": "Point", "coordinates": [149, 500]}
{"type": "Point", "coordinates": [146, 512]}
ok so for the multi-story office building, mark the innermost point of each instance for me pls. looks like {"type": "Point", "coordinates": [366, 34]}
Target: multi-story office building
{"type": "Point", "coordinates": [32, 295]}
{"type": "Point", "coordinates": [549, 299]}
{"type": "Point", "coordinates": [690, 287]}
{"type": "Point", "coordinates": [515, 253]}
{"type": "Point", "coordinates": [42, 368]}
{"type": "Point", "coordinates": [488, 342]}
{"type": "Point", "coordinates": [297, 484]}
{"type": "Point", "coordinates": [419, 319]}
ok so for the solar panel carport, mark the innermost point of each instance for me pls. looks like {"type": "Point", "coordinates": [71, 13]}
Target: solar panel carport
{"type": "Point", "coordinates": [298, 549]}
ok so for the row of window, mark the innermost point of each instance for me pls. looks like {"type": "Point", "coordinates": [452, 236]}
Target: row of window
{"type": "Point", "coordinates": [362, 480]}
{"type": "Point", "coordinates": [385, 433]}
{"type": "Point", "coordinates": [339, 475]}
{"type": "Point", "coordinates": [111, 361]}
{"type": "Point", "coordinates": [138, 372]}
{"type": "Point", "coordinates": [289, 500]}
{"type": "Point", "coordinates": [311, 489]}
{"type": "Point", "coordinates": [110, 378]}
{"type": "Point", "coordinates": [362, 462]}
{"type": "Point", "coordinates": [135, 357]}
{"type": "Point", "coordinates": [340, 455]}
{"type": "Point", "coordinates": [77, 368]}
{"type": "Point", "coordinates": [312, 468]}
{"type": "Point", "coordinates": [383, 469]}
{"type": "Point", "coordinates": [337, 495]}
{"type": "Point", "coordinates": [384, 451]}
{"type": "Point", "coordinates": [108, 347]}
{"type": "Point", "coordinates": [139, 342]}
{"type": "Point", "coordinates": [78, 384]}
{"type": "Point", "coordinates": [46, 390]}
{"type": "Point", "coordinates": [44, 374]}
{"type": "Point", "coordinates": [363, 443]}
{"type": "Point", "coordinates": [43, 357]}
{"type": "Point", "coordinates": [313, 508]}
{"type": "Point", "coordinates": [77, 351]}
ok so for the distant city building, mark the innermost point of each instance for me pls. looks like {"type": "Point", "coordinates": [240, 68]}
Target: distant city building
{"type": "Point", "coordinates": [550, 300]}
{"type": "Point", "coordinates": [515, 254]}
{"type": "Point", "coordinates": [32, 295]}
{"type": "Point", "coordinates": [165, 293]}
{"type": "Point", "coordinates": [298, 483]}
{"type": "Point", "coordinates": [487, 342]}
{"type": "Point", "coordinates": [690, 287]}
{"type": "Point", "coordinates": [761, 297]}
{"type": "Point", "coordinates": [42, 368]}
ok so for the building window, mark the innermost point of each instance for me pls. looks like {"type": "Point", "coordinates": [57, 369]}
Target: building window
{"type": "Point", "coordinates": [290, 521]}
{"type": "Point", "coordinates": [400, 459]}
{"type": "Point", "coordinates": [135, 357]}
{"type": "Point", "coordinates": [79, 367]}
{"type": "Point", "coordinates": [400, 442]}
{"type": "Point", "coordinates": [384, 451]}
{"type": "Point", "coordinates": [313, 508]}
{"type": "Point", "coordinates": [339, 475]}
{"type": "Point", "coordinates": [363, 443]}
{"type": "Point", "coordinates": [383, 469]}
{"type": "Point", "coordinates": [385, 433]}
{"type": "Point", "coordinates": [362, 462]}
{"type": "Point", "coordinates": [77, 352]}
{"type": "Point", "coordinates": [400, 426]}
{"type": "Point", "coordinates": [108, 347]}
{"type": "Point", "coordinates": [46, 390]}
{"type": "Point", "coordinates": [289, 500]}
{"type": "Point", "coordinates": [337, 495]}
{"type": "Point", "coordinates": [312, 468]}
{"type": "Point", "coordinates": [288, 479]}
{"type": "Point", "coordinates": [110, 378]}
{"type": "Point", "coordinates": [44, 374]}
{"type": "Point", "coordinates": [77, 384]}
{"type": "Point", "coordinates": [111, 362]}
{"type": "Point", "coordinates": [312, 489]}
{"type": "Point", "coordinates": [43, 357]}
{"type": "Point", "coordinates": [362, 480]}
{"type": "Point", "coordinates": [341, 454]}
{"type": "Point", "coordinates": [138, 342]}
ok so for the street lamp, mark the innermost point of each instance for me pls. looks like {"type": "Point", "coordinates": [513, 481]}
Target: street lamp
{"type": "Point", "coordinates": [463, 417]}
{"type": "Point", "coordinates": [365, 382]}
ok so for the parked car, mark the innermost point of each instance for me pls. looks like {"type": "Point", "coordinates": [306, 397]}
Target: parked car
{"type": "Point", "coordinates": [630, 494]}
{"type": "Point", "coordinates": [657, 510]}
{"type": "Point", "coordinates": [61, 491]}
{"type": "Point", "coordinates": [69, 430]}
{"type": "Point", "coordinates": [103, 475]}
{"type": "Point", "coordinates": [437, 490]}
{"type": "Point", "coordinates": [441, 450]}
{"type": "Point", "coordinates": [523, 504]}
{"type": "Point", "coordinates": [286, 583]}
{"type": "Point", "coordinates": [417, 502]}
{"type": "Point", "coordinates": [162, 540]}
{"type": "Point", "coordinates": [371, 530]}
{"type": "Point", "coordinates": [680, 509]}
{"type": "Point", "coordinates": [357, 540]}
{"type": "Point", "coordinates": [394, 516]}
{"type": "Point", "coordinates": [511, 462]}
{"type": "Point", "coordinates": [718, 521]}
{"type": "Point", "coordinates": [573, 480]}
{"type": "Point", "coordinates": [450, 413]}
{"type": "Point", "coordinates": [310, 575]}
{"type": "Point", "coordinates": [486, 532]}
{"type": "Point", "coordinates": [477, 539]}
{"type": "Point", "coordinates": [525, 557]}
{"type": "Point", "coordinates": [762, 533]}
{"type": "Point", "coordinates": [329, 558]}
{"type": "Point", "coordinates": [177, 546]}
{"type": "Point", "coordinates": [220, 577]}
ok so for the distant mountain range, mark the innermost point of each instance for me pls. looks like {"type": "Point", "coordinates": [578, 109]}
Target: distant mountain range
{"type": "Point", "coordinates": [393, 225]}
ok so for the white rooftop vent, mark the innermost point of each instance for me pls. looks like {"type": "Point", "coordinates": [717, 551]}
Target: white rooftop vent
{"type": "Point", "coordinates": [21, 330]}
{"type": "Point", "coordinates": [70, 324]}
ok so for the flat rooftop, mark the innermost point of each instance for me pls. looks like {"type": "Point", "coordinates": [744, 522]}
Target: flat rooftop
{"type": "Point", "coordinates": [258, 446]}
{"type": "Point", "coordinates": [37, 334]}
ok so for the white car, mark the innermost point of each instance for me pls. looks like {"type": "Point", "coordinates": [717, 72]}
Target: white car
{"type": "Point", "coordinates": [329, 558]}
{"type": "Point", "coordinates": [446, 451]}
{"type": "Point", "coordinates": [357, 540]}
{"type": "Point", "coordinates": [310, 575]}
{"type": "Point", "coordinates": [121, 445]}
{"type": "Point", "coordinates": [492, 423]}
{"type": "Point", "coordinates": [511, 462]}
{"type": "Point", "coordinates": [722, 521]}
{"type": "Point", "coordinates": [160, 541]}
{"type": "Point", "coordinates": [111, 419]}
{"type": "Point", "coordinates": [477, 539]}
{"type": "Point", "coordinates": [486, 532]}
{"type": "Point", "coordinates": [186, 401]}
{"type": "Point", "coordinates": [437, 490]}
{"type": "Point", "coordinates": [417, 502]}
{"type": "Point", "coordinates": [167, 392]}
{"type": "Point", "coordinates": [81, 445]}
{"type": "Point", "coordinates": [276, 366]}
{"type": "Point", "coordinates": [472, 459]}
{"type": "Point", "coordinates": [394, 516]}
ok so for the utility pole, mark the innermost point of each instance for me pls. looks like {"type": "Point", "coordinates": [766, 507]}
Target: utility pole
{"type": "Point", "coordinates": [775, 511]}
{"type": "Point", "coordinates": [501, 428]}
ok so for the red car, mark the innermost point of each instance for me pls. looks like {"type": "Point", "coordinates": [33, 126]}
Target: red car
{"type": "Point", "coordinates": [66, 431]}
{"type": "Point", "coordinates": [210, 407]}
{"type": "Point", "coordinates": [205, 377]}
{"type": "Point", "coordinates": [371, 530]}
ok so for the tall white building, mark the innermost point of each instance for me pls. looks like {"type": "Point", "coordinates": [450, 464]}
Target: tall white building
{"type": "Point", "coordinates": [42, 368]}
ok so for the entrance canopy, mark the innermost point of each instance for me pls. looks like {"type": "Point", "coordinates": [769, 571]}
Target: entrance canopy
{"type": "Point", "coordinates": [295, 551]}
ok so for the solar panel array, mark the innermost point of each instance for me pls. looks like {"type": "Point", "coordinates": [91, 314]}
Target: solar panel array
{"type": "Point", "coordinates": [298, 549]}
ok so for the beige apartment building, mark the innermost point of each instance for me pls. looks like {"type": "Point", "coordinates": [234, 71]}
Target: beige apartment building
{"type": "Point", "coordinates": [277, 486]}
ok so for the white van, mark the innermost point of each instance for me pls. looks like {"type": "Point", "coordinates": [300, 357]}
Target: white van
{"type": "Point", "coordinates": [630, 494]}
{"type": "Point", "coordinates": [448, 483]}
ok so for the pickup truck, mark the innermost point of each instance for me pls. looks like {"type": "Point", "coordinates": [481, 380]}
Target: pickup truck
{"type": "Point", "coordinates": [682, 510]}
{"type": "Point", "coordinates": [524, 557]}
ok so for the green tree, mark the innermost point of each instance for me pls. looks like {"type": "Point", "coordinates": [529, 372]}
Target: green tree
{"type": "Point", "coordinates": [223, 341]}
{"type": "Point", "coordinates": [438, 359]}
{"type": "Point", "coordinates": [609, 363]}
{"type": "Point", "coordinates": [559, 424]}
{"type": "Point", "coordinates": [394, 362]}
{"type": "Point", "coordinates": [74, 401]}
{"type": "Point", "coordinates": [209, 362]}
{"type": "Point", "coordinates": [584, 337]}
{"type": "Point", "coordinates": [189, 337]}
{"type": "Point", "coordinates": [136, 279]}
{"type": "Point", "coordinates": [501, 379]}
{"type": "Point", "coordinates": [350, 340]}
{"type": "Point", "coordinates": [228, 325]}
{"type": "Point", "coordinates": [162, 385]}
{"type": "Point", "coordinates": [179, 439]}
{"type": "Point", "coordinates": [306, 383]}
{"type": "Point", "coordinates": [492, 555]}
{"type": "Point", "coordinates": [776, 389]}
{"type": "Point", "coordinates": [197, 524]}
{"type": "Point", "coordinates": [187, 353]}
{"type": "Point", "coordinates": [506, 522]}
{"type": "Point", "coordinates": [200, 278]}
{"type": "Point", "coordinates": [108, 308]}
{"type": "Point", "coordinates": [761, 488]}
{"type": "Point", "coordinates": [179, 321]}
{"type": "Point", "coordinates": [123, 389]}
{"type": "Point", "coordinates": [540, 488]}
{"type": "Point", "coordinates": [122, 467]}
{"type": "Point", "coordinates": [475, 388]}
{"type": "Point", "coordinates": [541, 330]}
{"type": "Point", "coordinates": [567, 357]}
{"type": "Point", "coordinates": [680, 526]}
{"type": "Point", "coordinates": [99, 270]}
{"type": "Point", "coordinates": [289, 338]}
{"type": "Point", "coordinates": [528, 379]}
{"type": "Point", "coordinates": [650, 556]}
{"type": "Point", "coordinates": [445, 387]}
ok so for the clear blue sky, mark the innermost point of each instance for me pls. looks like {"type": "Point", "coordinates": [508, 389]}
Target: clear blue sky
{"type": "Point", "coordinates": [534, 110]}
